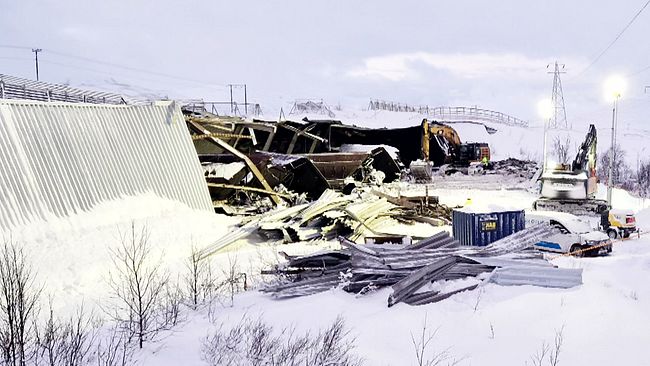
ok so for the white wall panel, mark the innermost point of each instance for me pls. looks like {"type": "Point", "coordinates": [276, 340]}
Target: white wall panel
{"type": "Point", "coordinates": [62, 159]}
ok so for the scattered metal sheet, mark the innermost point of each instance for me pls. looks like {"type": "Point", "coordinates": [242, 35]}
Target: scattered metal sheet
{"type": "Point", "coordinates": [409, 269]}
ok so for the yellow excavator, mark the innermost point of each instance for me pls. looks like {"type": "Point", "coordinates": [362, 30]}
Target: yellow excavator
{"type": "Point", "coordinates": [441, 145]}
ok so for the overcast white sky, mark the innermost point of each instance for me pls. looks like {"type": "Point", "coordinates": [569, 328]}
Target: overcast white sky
{"type": "Point", "coordinates": [492, 54]}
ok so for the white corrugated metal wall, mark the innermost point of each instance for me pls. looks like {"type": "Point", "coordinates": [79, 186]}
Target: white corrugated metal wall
{"type": "Point", "coordinates": [61, 158]}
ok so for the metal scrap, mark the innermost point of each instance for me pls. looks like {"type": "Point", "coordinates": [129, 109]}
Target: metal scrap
{"type": "Point", "coordinates": [411, 269]}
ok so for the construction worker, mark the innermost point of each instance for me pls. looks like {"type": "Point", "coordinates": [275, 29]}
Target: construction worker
{"type": "Point", "coordinates": [485, 162]}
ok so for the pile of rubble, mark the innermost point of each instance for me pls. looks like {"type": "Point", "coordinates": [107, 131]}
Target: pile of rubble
{"type": "Point", "coordinates": [419, 273]}
{"type": "Point", "coordinates": [525, 169]}
{"type": "Point", "coordinates": [362, 214]}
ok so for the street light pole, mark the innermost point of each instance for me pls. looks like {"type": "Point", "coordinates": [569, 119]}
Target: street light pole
{"type": "Point", "coordinates": [611, 153]}
{"type": "Point", "coordinates": [547, 122]}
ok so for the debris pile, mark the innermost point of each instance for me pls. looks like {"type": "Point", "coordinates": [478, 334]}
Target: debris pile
{"type": "Point", "coordinates": [514, 167]}
{"type": "Point", "coordinates": [363, 213]}
{"type": "Point", "coordinates": [419, 273]}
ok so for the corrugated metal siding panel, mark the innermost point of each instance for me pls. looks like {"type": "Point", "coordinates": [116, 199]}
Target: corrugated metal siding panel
{"type": "Point", "coordinates": [61, 159]}
{"type": "Point", "coordinates": [480, 229]}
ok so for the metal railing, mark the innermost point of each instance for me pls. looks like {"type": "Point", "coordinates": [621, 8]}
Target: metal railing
{"type": "Point", "coordinates": [17, 88]}
{"type": "Point", "coordinates": [450, 113]}
{"type": "Point", "coordinates": [224, 108]}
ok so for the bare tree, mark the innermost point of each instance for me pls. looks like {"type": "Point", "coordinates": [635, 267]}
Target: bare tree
{"type": "Point", "coordinates": [643, 179]}
{"type": "Point", "coordinates": [562, 148]}
{"type": "Point", "coordinates": [18, 306]}
{"type": "Point", "coordinates": [198, 278]}
{"type": "Point", "coordinates": [138, 287]}
{"type": "Point", "coordinates": [620, 170]}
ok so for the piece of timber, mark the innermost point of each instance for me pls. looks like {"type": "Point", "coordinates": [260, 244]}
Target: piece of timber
{"type": "Point", "coordinates": [256, 172]}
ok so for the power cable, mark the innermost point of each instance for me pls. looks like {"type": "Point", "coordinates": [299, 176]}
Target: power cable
{"type": "Point", "coordinates": [14, 47]}
{"type": "Point", "coordinates": [615, 39]}
{"type": "Point", "coordinates": [86, 59]}
{"type": "Point", "coordinates": [134, 69]}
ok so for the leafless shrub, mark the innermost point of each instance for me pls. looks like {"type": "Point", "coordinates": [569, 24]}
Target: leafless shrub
{"type": "Point", "coordinates": [253, 342]}
{"type": "Point", "coordinates": [234, 279]}
{"type": "Point", "coordinates": [172, 301]}
{"type": "Point", "coordinates": [554, 357]}
{"type": "Point", "coordinates": [561, 149]}
{"type": "Point", "coordinates": [633, 295]}
{"type": "Point", "coordinates": [479, 296]}
{"type": "Point", "coordinates": [65, 342]}
{"type": "Point", "coordinates": [424, 355]}
{"type": "Point", "coordinates": [18, 306]}
{"type": "Point", "coordinates": [538, 358]}
{"type": "Point", "coordinates": [138, 287]}
{"type": "Point", "coordinates": [114, 349]}
{"type": "Point", "coordinates": [548, 353]}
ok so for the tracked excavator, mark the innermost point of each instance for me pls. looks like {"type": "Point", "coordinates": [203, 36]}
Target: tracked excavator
{"type": "Point", "coordinates": [441, 145]}
{"type": "Point", "coordinates": [572, 187]}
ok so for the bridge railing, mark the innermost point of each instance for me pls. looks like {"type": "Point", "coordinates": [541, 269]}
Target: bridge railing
{"type": "Point", "coordinates": [450, 113]}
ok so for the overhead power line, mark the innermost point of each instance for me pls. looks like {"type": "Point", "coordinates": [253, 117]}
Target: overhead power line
{"type": "Point", "coordinates": [115, 65]}
{"type": "Point", "coordinates": [15, 47]}
{"type": "Point", "coordinates": [618, 36]}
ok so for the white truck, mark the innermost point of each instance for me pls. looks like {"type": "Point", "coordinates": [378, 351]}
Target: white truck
{"type": "Point", "coordinates": [574, 234]}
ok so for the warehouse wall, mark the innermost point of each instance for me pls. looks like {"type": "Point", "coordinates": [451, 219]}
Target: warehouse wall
{"type": "Point", "coordinates": [61, 159]}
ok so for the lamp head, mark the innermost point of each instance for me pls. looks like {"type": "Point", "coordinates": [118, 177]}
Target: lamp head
{"type": "Point", "coordinates": [614, 87]}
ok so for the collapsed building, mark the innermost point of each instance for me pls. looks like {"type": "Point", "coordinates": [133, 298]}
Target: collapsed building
{"type": "Point", "coordinates": [309, 156]}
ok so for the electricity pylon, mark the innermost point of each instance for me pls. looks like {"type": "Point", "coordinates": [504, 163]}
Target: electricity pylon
{"type": "Point", "coordinates": [559, 110]}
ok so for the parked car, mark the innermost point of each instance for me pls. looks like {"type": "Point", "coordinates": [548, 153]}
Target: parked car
{"type": "Point", "coordinates": [574, 234]}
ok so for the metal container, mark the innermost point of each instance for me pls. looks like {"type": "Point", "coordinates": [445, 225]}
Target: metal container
{"type": "Point", "coordinates": [483, 228]}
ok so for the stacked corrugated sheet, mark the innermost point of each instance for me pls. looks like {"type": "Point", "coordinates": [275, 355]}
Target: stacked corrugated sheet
{"type": "Point", "coordinates": [60, 159]}
{"type": "Point", "coordinates": [418, 272]}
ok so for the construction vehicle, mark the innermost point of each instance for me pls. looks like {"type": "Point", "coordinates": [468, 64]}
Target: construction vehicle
{"type": "Point", "coordinates": [620, 224]}
{"type": "Point", "coordinates": [572, 187]}
{"type": "Point", "coordinates": [441, 145]}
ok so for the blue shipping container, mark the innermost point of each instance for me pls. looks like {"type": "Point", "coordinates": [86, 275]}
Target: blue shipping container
{"type": "Point", "coordinates": [481, 229]}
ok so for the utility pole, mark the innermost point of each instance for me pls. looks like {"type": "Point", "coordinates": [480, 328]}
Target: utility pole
{"type": "Point", "coordinates": [230, 85]}
{"type": "Point", "coordinates": [559, 115]}
{"type": "Point", "coordinates": [36, 51]}
{"type": "Point", "coordinates": [232, 101]}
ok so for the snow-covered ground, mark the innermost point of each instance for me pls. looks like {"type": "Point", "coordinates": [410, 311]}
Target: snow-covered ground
{"type": "Point", "coordinates": [604, 320]}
